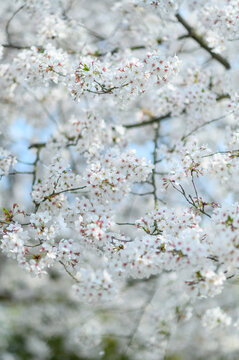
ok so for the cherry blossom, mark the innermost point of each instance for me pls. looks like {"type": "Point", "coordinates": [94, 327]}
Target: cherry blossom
{"type": "Point", "coordinates": [119, 174]}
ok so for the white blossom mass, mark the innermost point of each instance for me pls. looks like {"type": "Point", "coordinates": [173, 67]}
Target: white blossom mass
{"type": "Point", "coordinates": [119, 168]}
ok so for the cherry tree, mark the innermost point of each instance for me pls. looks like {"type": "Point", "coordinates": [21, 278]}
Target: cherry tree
{"type": "Point", "coordinates": [119, 179]}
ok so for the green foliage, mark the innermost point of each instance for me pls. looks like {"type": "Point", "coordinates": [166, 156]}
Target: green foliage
{"type": "Point", "coordinates": [112, 350]}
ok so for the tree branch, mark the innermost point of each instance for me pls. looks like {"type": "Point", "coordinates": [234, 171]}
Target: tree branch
{"type": "Point", "coordinates": [153, 120]}
{"type": "Point", "coordinates": [141, 314]}
{"type": "Point", "coordinates": [204, 124]}
{"type": "Point", "coordinates": [8, 25]}
{"type": "Point", "coordinates": [200, 40]}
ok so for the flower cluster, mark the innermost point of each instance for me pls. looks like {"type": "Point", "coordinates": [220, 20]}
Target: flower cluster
{"type": "Point", "coordinates": [34, 67]}
{"type": "Point", "coordinates": [94, 286]}
{"type": "Point", "coordinates": [6, 161]}
{"type": "Point", "coordinates": [163, 6]}
{"type": "Point", "coordinates": [216, 317]}
{"type": "Point", "coordinates": [113, 176]}
{"type": "Point", "coordinates": [124, 81]}
{"type": "Point", "coordinates": [49, 186]}
{"type": "Point", "coordinates": [84, 200]}
{"type": "Point", "coordinates": [225, 246]}
{"type": "Point", "coordinates": [171, 242]}
{"type": "Point", "coordinates": [187, 162]}
{"type": "Point", "coordinates": [223, 20]}
{"type": "Point", "coordinates": [89, 134]}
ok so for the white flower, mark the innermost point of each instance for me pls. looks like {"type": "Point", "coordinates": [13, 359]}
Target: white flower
{"type": "Point", "coordinates": [215, 317]}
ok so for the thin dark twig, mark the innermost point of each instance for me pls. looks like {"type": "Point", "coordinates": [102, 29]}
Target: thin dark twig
{"type": "Point", "coordinates": [194, 186]}
{"type": "Point", "coordinates": [67, 190]}
{"type": "Point", "coordinates": [156, 135]}
{"type": "Point", "coordinates": [9, 22]}
{"type": "Point", "coordinates": [25, 162]}
{"type": "Point", "coordinates": [35, 166]}
{"type": "Point", "coordinates": [16, 47]}
{"type": "Point", "coordinates": [189, 199]}
{"type": "Point", "coordinates": [204, 124]}
{"type": "Point", "coordinates": [68, 271]}
{"type": "Point", "coordinates": [125, 223]}
{"type": "Point", "coordinates": [141, 315]}
{"type": "Point", "coordinates": [144, 194]}
{"type": "Point", "coordinates": [224, 152]}
{"type": "Point", "coordinates": [53, 194]}
{"type": "Point", "coordinates": [21, 173]}
{"type": "Point", "coordinates": [46, 111]}
{"type": "Point", "coordinates": [33, 246]}
{"type": "Point", "coordinates": [153, 120]}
